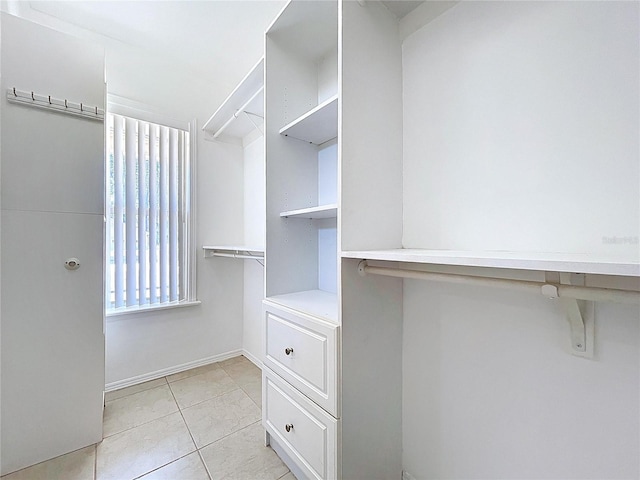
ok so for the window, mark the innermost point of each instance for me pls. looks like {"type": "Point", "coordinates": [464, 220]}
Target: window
{"type": "Point", "coordinates": [148, 231]}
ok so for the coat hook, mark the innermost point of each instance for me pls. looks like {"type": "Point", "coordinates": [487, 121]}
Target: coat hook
{"type": "Point", "coordinates": [14, 92]}
{"type": "Point", "coordinates": [49, 99]}
{"type": "Point", "coordinates": [81, 107]}
{"type": "Point", "coordinates": [32, 98]}
{"type": "Point", "coordinates": [65, 103]}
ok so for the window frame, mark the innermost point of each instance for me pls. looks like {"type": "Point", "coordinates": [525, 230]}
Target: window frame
{"type": "Point", "coordinates": [129, 108]}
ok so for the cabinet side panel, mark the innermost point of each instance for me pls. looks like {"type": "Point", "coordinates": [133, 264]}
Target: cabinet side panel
{"type": "Point", "coordinates": [371, 375]}
{"type": "Point", "coordinates": [53, 346]}
{"type": "Point", "coordinates": [371, 128]}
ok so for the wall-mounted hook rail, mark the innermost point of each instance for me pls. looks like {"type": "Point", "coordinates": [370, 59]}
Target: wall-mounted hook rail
{"type": "Point", "coordinates": [47, 102]}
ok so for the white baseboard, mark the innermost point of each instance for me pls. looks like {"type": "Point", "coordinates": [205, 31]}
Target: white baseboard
{"type": "Point", "coordinates": [127, 382]}
{"type": "Point", "coordinates": [253, 359]}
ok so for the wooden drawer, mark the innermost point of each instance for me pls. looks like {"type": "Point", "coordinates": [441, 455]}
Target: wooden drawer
{"type": "Point", "coordinates": [303, 350]}
{"type": "Point", "coordinates": [311, 439]}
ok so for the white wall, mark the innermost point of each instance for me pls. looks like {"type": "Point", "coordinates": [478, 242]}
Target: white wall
{"type": "Point", "coordinates": [490, 390]}
{"type": "Point", "coordinates": [521, 125]}
{"type": "Point", "coordinates": [143, 345]}
{"type": "Point", "coordinates": [521, 133]}
{"type": "Point", "coordinates": [139, 345]}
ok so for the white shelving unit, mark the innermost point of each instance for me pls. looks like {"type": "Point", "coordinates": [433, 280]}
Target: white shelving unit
{"type": "Point", "coordinates": [384, 373]}
{"type": "Point", "coordinates": [317, 126]}
{"type": "Point", "coordinates": [548, 262]}
{"type": "Point", "coordinates": [301, 309]}
{"type": "Point", "coordinates": [243, 110]}
{"type": "Point", "coordinates": [314, 213]}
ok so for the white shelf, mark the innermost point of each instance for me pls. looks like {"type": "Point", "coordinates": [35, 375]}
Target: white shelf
{"type": "Point", "coordinates": [316, 126]}
{"type": "Point", "coordinates": [234, 251]}
{"type": "Point", "coordinates": [243, 110]}
{"type": "Point", "coordinates": [323, 211]}
{"type": "Point", "coordinates": [551, 262]}
{"type": "Point", "coordinates": [318, 303]}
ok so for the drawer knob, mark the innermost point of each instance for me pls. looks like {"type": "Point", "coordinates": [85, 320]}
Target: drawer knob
{"type": "Point", "coordinates": [288, 427]}
{"type": "Point", "coordinates": [288, 351]}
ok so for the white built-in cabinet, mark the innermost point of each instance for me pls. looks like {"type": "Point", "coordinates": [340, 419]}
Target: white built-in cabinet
{"type": "Point", "coordinates": [346, 168]}
{"type": "Point", "coordinates": [344, 184]}
{"type": "Point", "coordinates": [331, 382]}
{"type": "Point", "coordinates": [53, 347]}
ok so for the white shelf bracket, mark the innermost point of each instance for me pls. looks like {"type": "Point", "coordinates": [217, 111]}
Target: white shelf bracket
{"type": "Point", "coordinates": [580, 315]}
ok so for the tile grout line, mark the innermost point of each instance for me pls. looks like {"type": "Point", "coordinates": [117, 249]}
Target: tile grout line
{"type": "Point", "coordinates": [162, 466]}
{"type": "Point", "coordinates": [180, 409]}
{"type": "Point", "coordinates": [209, 399]}
{"type": "Point", "coordinates": [131, 386]}
{"type": "Point", "coordinates": [190, 436]}
{"type": "Point", "coordinates": [218, 367]}
{"type": "Point", "coordinates": [184, 419]}
{"type": "Point", "coordinates": [229, 434]}
{"type": "Point", "coordinates": [206, 467]}
{"type": "Point", "coordinates": [141, 424]}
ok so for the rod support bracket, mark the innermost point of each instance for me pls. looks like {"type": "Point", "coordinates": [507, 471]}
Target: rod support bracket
{"type": "Point", "coordinates": [580, 315]}
{"type": "Point", "coordinates": [362, 268]}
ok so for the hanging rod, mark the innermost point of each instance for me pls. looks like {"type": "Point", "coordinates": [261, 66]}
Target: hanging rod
{"type": "Point", "coordinates": [47, 102]}
{"type": "Point", "coordinates": [238, 112]}
{"type": "Point", "coordinates": [550, 290]}
{"type": "Point", "coordinates": [236, 255]}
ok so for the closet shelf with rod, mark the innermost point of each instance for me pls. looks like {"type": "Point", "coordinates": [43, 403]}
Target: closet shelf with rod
{"type": "Point", "coordinates": [565, 279]}
{"type": "Point", "coordinates": [243, 110]}
{"type": "Point", "coordinates": [230, 251]}
{"type": "Point", "coordinates": [546, 262]}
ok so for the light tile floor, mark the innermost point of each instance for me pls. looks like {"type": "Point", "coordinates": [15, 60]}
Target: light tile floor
{"type": "Point", "coordinates": [202, 424]}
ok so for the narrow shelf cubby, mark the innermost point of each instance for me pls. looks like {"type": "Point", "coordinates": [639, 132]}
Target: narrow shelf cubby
{"type": "Point", "coordinates": [301, 144]}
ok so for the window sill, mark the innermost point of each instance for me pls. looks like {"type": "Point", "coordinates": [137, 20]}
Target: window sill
{"type": "Point", "coordinates": [149, 308]}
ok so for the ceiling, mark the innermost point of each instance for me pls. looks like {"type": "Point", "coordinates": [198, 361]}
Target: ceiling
{"type": "Point", "coordinates": [400, 8]}
{"type": "Point", "coordinates": [215, 39]}
{"type": "Point", "coordinates": [211, 38]}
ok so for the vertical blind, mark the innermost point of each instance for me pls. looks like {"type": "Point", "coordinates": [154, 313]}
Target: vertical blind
{"type": "Point", "coordinates": [147, 213]}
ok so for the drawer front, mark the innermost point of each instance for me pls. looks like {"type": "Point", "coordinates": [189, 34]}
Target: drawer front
{"type": "Point", "coordinates": [303, 351]}
{"type": "Point", "coordinates": [306, 432]}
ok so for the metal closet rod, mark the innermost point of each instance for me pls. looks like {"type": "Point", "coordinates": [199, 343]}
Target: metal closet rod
{"type": "Point", "coordinates": [242, 109]}
{"type": "Point", "coordinates": [238, 255]}
{"type": "Point", "coordinates": [550, 290]}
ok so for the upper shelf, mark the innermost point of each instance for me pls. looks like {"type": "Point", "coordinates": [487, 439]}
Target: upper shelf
{"type": "Point", "coordinates": [314, 213]}
{"type": "Point", "coordinates": [550, 262]}
{"type": "Point", "coordinates": [243, 110]}
{"type": "Point", "coordinates": [316, 126]}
